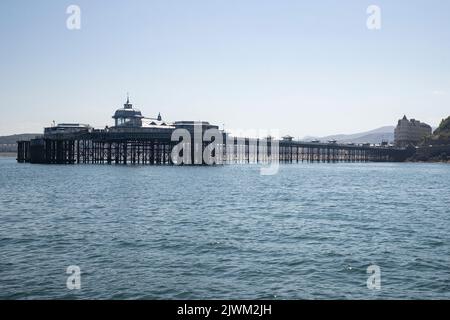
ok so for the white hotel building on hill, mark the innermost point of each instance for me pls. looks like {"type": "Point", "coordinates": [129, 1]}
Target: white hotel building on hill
{"type": "Point", "coordinates": [410, 132]}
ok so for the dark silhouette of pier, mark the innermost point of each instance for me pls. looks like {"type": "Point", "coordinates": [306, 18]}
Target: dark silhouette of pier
{"type": "Point", "coordinates": [155, 148]}
{"type": "Point", "coordinates": [135, 139]}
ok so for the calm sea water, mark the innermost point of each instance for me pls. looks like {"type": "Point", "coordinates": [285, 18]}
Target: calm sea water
{"type": "Point", "coordinates": [309, 232]}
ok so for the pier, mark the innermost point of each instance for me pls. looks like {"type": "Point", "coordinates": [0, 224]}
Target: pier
{"type": "Point", "coordinates": [135, 139]}
{"type": "Point", "coordinates": [100, 147]}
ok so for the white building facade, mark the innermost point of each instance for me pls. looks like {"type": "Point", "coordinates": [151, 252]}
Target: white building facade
{"type": "Point", "coordinates": [410, 132]}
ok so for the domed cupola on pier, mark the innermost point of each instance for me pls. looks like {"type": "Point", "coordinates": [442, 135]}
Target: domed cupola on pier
{"type": "Point", "coordinates": [128, 116]}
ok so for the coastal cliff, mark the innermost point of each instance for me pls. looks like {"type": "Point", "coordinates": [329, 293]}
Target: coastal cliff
{"type": "Point", "coordinates": [435, 148]}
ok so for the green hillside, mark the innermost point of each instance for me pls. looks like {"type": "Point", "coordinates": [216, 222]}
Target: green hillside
{"type": "Point", "coordinates": [444, 128]}
{"type": "Point", "coordinates": [440, 136]}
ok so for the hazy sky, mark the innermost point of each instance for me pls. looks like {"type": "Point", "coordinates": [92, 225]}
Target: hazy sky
{"type": "Point", "coordinates": [303, 67]}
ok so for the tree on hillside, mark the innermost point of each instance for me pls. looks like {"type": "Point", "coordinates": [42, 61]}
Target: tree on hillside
{"type": "Point", "coordinates": [444, 127]}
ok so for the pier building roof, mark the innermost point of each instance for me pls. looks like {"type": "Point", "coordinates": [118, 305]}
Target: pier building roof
{"type": "Point", "coordinates": [127, 111]}
{"type": "Point", "coordinates": [130, 117]}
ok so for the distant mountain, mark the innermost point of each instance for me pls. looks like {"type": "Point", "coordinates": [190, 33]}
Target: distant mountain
{"type": "Point", "coordinates": [9, 143]}
{"type": "Point", "coordinates": [373, 136]}
{"type": "Point", "coordinates": [16, 137]}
